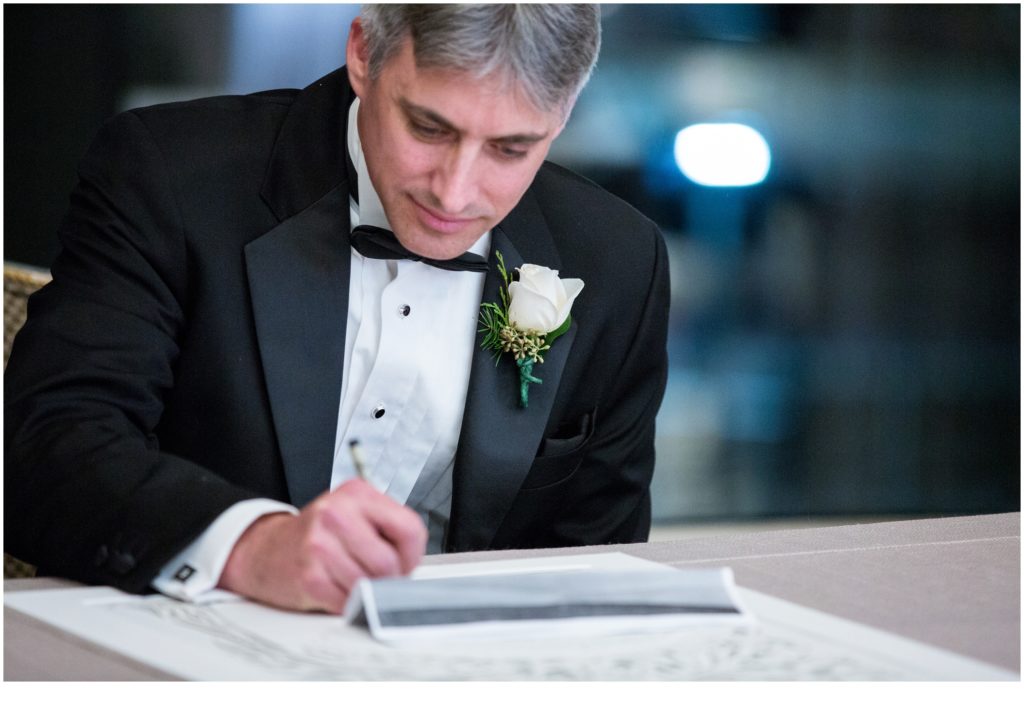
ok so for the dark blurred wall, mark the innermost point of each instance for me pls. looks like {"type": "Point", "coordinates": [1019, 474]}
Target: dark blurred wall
{"type": "Point", "coordinates": [61, 73]}
{"type": "Point", "coordinates": [66, 69]}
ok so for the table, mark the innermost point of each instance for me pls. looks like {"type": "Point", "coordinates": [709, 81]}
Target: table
{"type": "Point", "coordinates": [953, 583]}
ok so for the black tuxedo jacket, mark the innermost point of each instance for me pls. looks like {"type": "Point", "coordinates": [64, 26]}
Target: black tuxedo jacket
{"type": "Point", "coordinates": [188, 353]}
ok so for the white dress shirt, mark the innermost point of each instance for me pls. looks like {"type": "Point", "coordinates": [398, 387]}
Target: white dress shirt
{"type": "Point", "coordinates": [409, 341]}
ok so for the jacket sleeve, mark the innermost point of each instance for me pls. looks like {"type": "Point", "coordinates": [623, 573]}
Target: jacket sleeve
{"type": "Point", "coordinates": [88, 492]}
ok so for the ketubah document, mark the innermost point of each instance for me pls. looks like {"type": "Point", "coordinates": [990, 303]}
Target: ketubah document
{"type": "Point", "coordinates": [601, 594]}
{"type": "Point", "coordinates": [580, 599]}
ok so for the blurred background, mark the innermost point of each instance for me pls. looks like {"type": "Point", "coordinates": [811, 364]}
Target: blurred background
{"type": "Point", "coordinates": [844, 239]}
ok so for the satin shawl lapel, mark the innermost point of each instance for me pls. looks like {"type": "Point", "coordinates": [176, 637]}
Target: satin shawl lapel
{"type": "Point", "coordinates": [298, 278]}
{"type": "Point", "coordinates": [499, 439]}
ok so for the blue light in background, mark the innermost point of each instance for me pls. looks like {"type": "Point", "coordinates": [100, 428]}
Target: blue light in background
{"type": "Point", "coordinates": [291, 45]}
{"type": "Point", "coordinates": [722, 154]}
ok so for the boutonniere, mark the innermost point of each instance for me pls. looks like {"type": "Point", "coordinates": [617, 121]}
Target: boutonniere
{"type": "Point", "coordinates": [533, 312]}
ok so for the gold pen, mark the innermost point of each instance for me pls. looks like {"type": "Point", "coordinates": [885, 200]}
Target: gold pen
{"type": "Point", "coordinates": [357, 458]}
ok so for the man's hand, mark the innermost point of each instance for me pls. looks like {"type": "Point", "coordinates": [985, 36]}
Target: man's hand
{"type": "Point", "coordinates": [311, 561]}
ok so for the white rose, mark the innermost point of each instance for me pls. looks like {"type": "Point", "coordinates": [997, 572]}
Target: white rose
{"type": "Point", "coordinates": [540, 299]}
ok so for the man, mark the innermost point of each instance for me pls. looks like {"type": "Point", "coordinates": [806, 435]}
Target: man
{"type": "Point", "coordinates": [181, 402]}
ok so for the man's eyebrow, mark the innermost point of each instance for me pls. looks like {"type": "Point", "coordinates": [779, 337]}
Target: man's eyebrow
{"type": "Point", "coordinates": [430, 115]}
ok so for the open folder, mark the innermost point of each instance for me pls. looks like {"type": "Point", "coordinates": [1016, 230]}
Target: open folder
{"type": "Point", "coordinates": [595, 594]}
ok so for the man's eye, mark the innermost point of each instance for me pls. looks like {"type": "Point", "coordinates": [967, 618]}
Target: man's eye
{"type": "Point", "coordinates": [427, 131]}
{"type": "Point", "coordinates": [511, 153]}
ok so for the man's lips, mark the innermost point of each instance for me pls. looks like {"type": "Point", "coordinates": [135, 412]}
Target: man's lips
{"type": "Point", "coordinates": [440, 222]}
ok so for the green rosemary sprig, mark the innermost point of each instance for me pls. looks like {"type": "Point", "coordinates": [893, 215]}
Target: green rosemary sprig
{"type": "Point", "coordinates": [492, 320]}
{"type": "Point", "coordinates": [494, 317]}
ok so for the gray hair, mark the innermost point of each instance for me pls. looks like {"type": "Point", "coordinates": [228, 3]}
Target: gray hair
{"type": "Point", "coordinates": [548, 50]}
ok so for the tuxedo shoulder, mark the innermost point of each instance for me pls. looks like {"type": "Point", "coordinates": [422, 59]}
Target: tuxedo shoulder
{"type": "Point", "coordinates": [196, 140]}
{"type": "Point", "coordinates": [246, 114]}
{"type": "Point", "coordinates": [207, 113]}
{"type": "Point", "coordinates": [573, 203]}
{"type": "Point", "coordinates": [563, 189]}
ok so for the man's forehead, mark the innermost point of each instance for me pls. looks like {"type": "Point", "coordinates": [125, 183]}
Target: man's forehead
{"type": "Point", "coordinates": [524, 135]}
{"type": "Point", "coordinates": [451, 95]}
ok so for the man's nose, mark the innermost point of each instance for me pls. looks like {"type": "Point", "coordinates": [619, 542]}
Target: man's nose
{"type": "Point", "coordinates": [455, 182]}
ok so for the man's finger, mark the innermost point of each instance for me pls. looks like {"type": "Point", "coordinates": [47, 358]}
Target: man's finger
{"type": "Point", "coordinates": [347, 522]}
{"type": "Point", "coordinates": [394, 523]}
{"type": "Point", "coordinates": [339, 566]}
{"type": "Point", "coordinates": [399, 525]}
{"type": "Point", "coordinates": [403, 528]}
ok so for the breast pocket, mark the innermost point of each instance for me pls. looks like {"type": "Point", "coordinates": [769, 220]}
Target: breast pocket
{"type": "Point", "coordinates": [561, 454]}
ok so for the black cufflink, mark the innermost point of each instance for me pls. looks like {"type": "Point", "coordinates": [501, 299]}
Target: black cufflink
{"type": "Point", "coordinates": [183, 573]}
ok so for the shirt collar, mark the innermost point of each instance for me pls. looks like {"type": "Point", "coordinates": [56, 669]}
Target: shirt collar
{"type": "Point", "coordinates": [369, 207]}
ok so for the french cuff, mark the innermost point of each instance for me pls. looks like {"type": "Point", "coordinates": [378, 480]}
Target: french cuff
{"type": "Point", "coordinates": [193, 575]}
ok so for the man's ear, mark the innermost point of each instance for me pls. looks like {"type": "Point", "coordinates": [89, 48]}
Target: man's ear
{"type": "Point", "coordinates": [357, 58]}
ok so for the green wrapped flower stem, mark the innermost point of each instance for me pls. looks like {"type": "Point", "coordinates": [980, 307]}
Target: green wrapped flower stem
{"type": "Point", "coordinates": [526, 378]}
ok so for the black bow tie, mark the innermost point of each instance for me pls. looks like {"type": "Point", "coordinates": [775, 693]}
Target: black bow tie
{"type": "Point", "coordinates": [375, 242]}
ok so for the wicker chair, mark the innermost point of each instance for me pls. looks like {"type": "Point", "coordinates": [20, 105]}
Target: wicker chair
{"type": "Point", "coordinates": [20, 281]}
